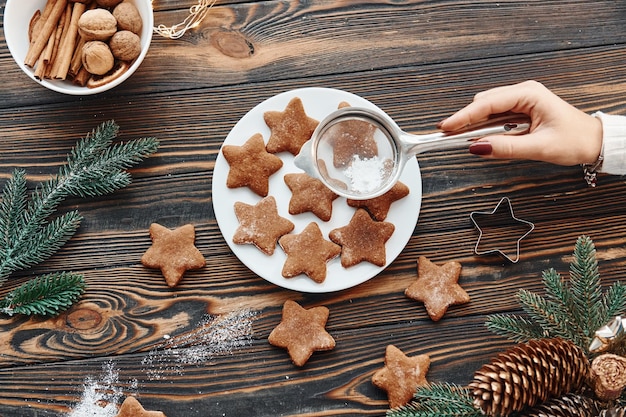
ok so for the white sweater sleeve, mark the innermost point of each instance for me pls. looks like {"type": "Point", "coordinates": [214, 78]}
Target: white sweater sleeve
{"type": "Point", "coordinates": [613, 143]}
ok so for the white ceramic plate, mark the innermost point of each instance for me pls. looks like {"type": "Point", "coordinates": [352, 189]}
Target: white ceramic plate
{"type": "Point", "coordinates": [318, 102]}
{"type": "Point", "coordinates": [17, 15]}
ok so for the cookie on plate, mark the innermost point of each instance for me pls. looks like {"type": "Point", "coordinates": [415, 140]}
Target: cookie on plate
{"type": "Point", "coordinates": [302, 332]}
{"type": "Point", "coordinates": [173, 252]}
{"type": "Point", "coordinates": [309, 194]}
{"type": "Point", "coordinates": [401, 375]}
{"type": "Point", "coordinates": [378, 207]}
{"type": "Point", "coordinates": [251, 165]}
{"type": "Point", "coordinates": [352, 138]}
{"type": "Point", "coordinates": [289, 128]}
{"type": "Point", "coordinates": [307, 253]}
{"type": "Point", "coordinates": [363, 239]}
{"type": "Point", "coordinates": [260, 225]}
{"type": "Point", "coordinates": [437, 287]}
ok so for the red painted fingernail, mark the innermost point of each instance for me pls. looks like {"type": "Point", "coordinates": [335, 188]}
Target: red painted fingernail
{"type": "Point", "coordinates": [439, 124]}
{"type": "Point", "coordinates": [481, 148]}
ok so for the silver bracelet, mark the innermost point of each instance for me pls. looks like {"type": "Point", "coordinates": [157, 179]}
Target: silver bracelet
{"type": "Point", "coordinates": [591, 170]}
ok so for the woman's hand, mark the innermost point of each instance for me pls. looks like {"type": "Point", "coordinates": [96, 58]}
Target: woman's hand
{"type": "Point", "coordinates": [559, 133]}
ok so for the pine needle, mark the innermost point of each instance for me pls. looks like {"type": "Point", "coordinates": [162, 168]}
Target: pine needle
{"type": "Point", "coordinates": [96, 166]}
{"type": "Point", "coordinates": [46, 295]}
{"type": "Point", "coordinates": [11, 209]}
{"type": "Point", "coordinates": [614, 301]}
{"type": "Point", "coordinates": [550, 316]}
{"type": "Point", "coordinates": [438, 400]}
{"type": "Point", "coordinates": [29, 232]}
{"type": "Point", "coordinates": [573, 310]}
{"type": "Point", "coordinates": [48, 239]}
{"type": "Point", "coordinates": [587, 307]}
{"type": "Point", "coordinates": [514, 327]}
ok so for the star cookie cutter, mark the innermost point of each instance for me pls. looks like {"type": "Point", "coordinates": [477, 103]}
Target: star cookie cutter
{"type": "Point", "coordinates": [500, 232]}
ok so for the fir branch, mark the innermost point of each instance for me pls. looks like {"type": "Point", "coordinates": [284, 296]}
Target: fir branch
{"type": "Point", "coordinates": [46, 295]}
{"type": "Point", "coordinates": [614, 301]}
{"type": "Point", "coordinates": [87, 150]}
{"type": "Point", "coordinates": [95, 167]}
{"type": "Point", "coordinates": [587, 310]}
{"type": "Point", "coordinates": [514, 327]}
{"type": "Point", "coordinates": [97, 176]}
{"type": "Point", "coordinates": [46, 242]}
{"type": "Point", "coordinates": [12, 206]}
{"type": "Point", "coordinates": [547, 314]}
{"type": "Point", "coordinates": [556, 290]}
{"type": "Point", "coordinates": [439, 400]}
{"type": "Point", "coordinates": [574, 312]}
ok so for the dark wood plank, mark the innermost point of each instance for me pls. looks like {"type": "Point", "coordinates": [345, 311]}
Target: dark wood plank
{"type": "Point", "coordinates": [444, 231]}
{"type": "Point", "coordinates": [332, 383]}
{"type": "Point", "coordinates": [193, 126]}
{"type": "Point", "coordinates": [426, 59]}
{"type": "Point", "coordinates": [290, 40]}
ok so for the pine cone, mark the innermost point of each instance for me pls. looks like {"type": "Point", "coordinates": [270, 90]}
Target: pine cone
{"type": "Point", "coordinates": [569, 405]}
{"type": "Point", "coordinates": [529, 374]}
{"type": "Point", "coordinates": [613, 412]}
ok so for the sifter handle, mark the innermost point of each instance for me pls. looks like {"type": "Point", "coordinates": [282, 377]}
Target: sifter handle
{"type": "Point", "coordinates": [416, 144]}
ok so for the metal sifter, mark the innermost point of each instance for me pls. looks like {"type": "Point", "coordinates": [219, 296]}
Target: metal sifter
{"type": "Point", "coordinates": [360, 153]}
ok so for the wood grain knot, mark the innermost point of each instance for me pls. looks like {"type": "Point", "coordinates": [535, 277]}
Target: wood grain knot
{"type": "Point", "coordinates": [232, 44]}
{"type": "Point", "coordinates": [84, 319]}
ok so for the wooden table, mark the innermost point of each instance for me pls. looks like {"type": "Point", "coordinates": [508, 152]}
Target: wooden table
{"type": "Point", "coordinates": [419, 61]}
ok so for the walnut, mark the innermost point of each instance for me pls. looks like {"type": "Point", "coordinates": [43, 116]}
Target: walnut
{"type": "Point", "coordinates": [128, 17]}
{"type": "Point", "coordinates": [97, 24]}
{"type": "Point", "coordinates": [125, 45]}
{"type": "Point", "coordinates": [97, 57]}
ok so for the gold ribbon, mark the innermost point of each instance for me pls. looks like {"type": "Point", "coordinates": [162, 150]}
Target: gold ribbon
{"type": "Point", "coordinates": [197, 13]}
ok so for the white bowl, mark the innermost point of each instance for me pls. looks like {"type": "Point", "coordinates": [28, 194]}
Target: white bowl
{"type": "Point", "coordinates": [17, 15]}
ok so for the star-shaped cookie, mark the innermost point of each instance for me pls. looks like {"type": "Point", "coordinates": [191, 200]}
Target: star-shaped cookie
{"type": "Point", "coordinates": [260, 225]}
{"type": "Point", "coordinates": [437, 287]}
{"type": "Point", "coordinates": [131, 407]}
{"type": "Point", "coordinates": [378, 207]}
{"type": "Point", "coordinates": [401, 375]}
{"type": "Point", "coordinates": [173, 252]}
{"type": "Point", "coordinates": [309, 194]}
{"type": "Point", "coordinates": [350, 138]}
{"type": "Point", "coordinates": [302, 332]}
{"type": "Point", "coordinates": [251, 165]}
{"type": "Point", "coordinates": [307, 253]}
{"type": "Point", "coordinates": [363, 239]}
{"type": "Point", "coordinates": [289, 128]}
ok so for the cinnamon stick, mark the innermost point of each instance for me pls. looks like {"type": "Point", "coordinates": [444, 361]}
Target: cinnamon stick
{"type": "Point", "coordinates": [36, 25]}
{"type": "Point", "coordinates": [68, 45]}
{"type": "Point", "coordinates": [81, 77]}
{"type": "Point", "coordinates": [55, 48]}
{"type": "Point", "coordinates": [33, 25]}
{"type": "Point", "coordinates": [46, 55]}
{"type": "Point", "coordinates": [41, 67]}
{"type": "Point", "coordinates": [46, 30]}
{"type": "Point", "coordinates": [77, 58]}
